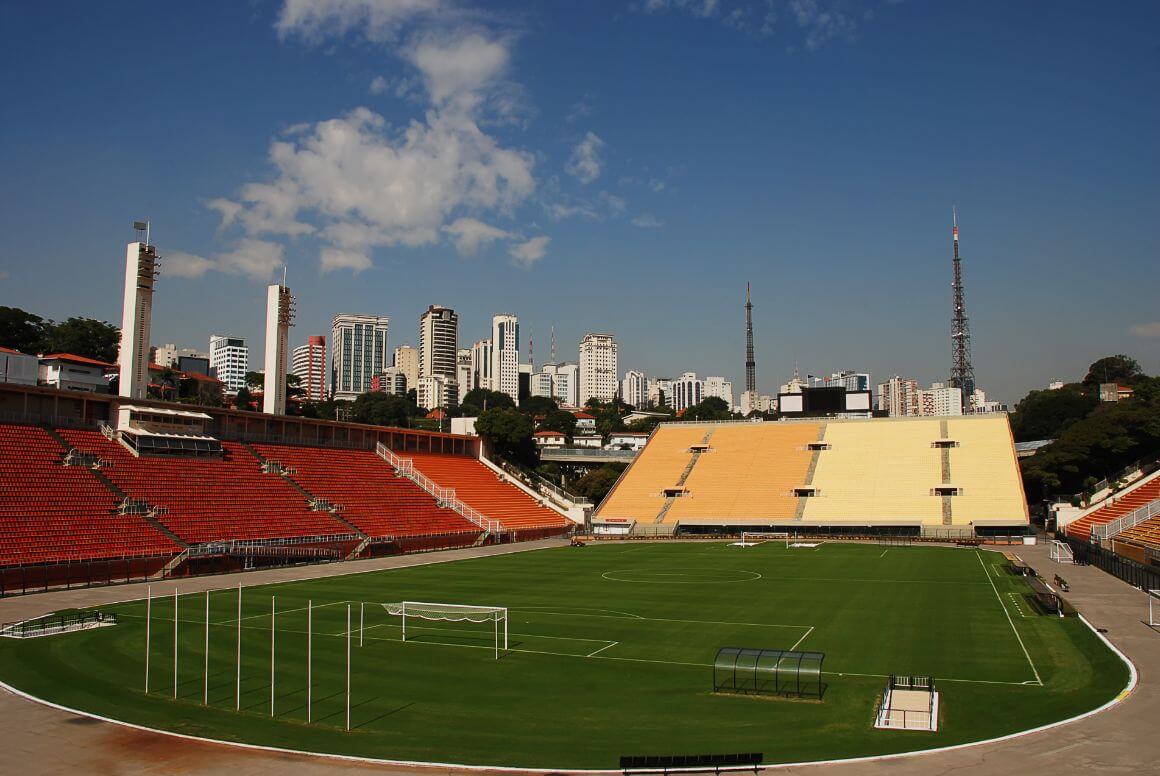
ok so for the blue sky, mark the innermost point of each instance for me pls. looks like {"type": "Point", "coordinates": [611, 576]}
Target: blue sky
{"type": "Point", "coordinates": [612, 166]}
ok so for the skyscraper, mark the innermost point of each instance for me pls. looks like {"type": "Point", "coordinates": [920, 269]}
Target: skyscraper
{"type": "Point", "coordinates": [309, 363]}
{"type": "Point", "coordinates": [358, 352]}
{"type": "Point", "coordinates": [505, 355]}
{"type": "Point", "coordinates": [279, 319]}
{"type": "Point", "coordinates": [463, 372]}
{"type": "Point", "coordinates": [634, 389]}
{"type": "Point", "coordinates": [229, 360]}
{"type": "Point", "coordinates": [598, 368]}
{"type": "Point", "coordinates": [438, 342]}
{"type": "Point", "coordinates": [481, 365]}
{"type": "Point", "coordinates": [136, 318]}
{"type": "Point", "coordinates": [962, 370]}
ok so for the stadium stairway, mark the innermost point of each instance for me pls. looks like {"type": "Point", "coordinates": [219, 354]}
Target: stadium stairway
{"type": "Point", "coordinates": [485, 491]}
{"type": "Point", "coordinates": [1143, 493]}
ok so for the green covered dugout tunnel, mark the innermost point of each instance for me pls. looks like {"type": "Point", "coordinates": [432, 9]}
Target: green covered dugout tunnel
{"type": "Point", "coordinates": [750, 671]}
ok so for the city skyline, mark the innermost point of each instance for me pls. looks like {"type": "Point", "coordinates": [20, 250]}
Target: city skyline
{"type": "Point", "coordinates": [825, 167]}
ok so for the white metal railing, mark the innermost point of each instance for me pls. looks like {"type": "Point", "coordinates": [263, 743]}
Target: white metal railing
{"type": "Point", "coordinates": [1129, 520]}
{"type": "Point", "coordinates": [405, 467]}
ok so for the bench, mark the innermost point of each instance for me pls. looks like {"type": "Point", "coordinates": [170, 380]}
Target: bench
{"type": "Point", "coordinates": [691, 762]}
{"type": "Point", "coordinates": [1062, 583]}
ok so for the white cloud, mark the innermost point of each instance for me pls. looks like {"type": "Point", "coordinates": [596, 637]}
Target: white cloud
{"type": "Point", "coordinates": [822, 22]}
{"type": "Point", "coordinates": [470, 234]}
{"type": "Point", "coordinates": [1146, 329]}
{"type": "Point", "coordinates": [255, 259]}
{"type": "Point", "coordinates": [579, 109]}
{"type": "Point", "coordinates": [357, 182]}
{"type": "Point", "coordinates": [647, 221]}
{"type": "Point", "coordinates": [526, 254]}
{"type": "Point", "coordinates": [818, 21]}
{"type": "Point", "coordinates": [331, 259]}
{"type": "Point", "coordinates": [585, 163]}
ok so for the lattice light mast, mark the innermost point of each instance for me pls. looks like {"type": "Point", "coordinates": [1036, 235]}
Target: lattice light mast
{"type": "Point", "coordinates": [962, 371]}
{"type": "Point", "coordinates": [750, 363]}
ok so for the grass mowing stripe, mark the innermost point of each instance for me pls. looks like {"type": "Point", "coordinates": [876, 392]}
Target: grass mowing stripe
{"type": "Point", "coordinates": [999, 598]}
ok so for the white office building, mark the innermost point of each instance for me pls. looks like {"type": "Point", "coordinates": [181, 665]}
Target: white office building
{"type": "Point", "coordinates": [309, 364]}
{"type": "Point", "coordinates": [407, 359]}
{"type": "Point", "coordinates": [229, 360]}
{"type": "Point", "coordinates": [462, 373]}
{"type": "Point", "coordinates": [436, 392]}
{"type": "Point", "coordinates": [598, 368]}
{"type": "Point", "coordinates": [720, 388]}
{"type": "Point", "coordinates": [438, 342]}
{"type": "Point", "coordinates": [660, 392]}
{"type": "Point", "coordinates": [505, 355]}
{"type": "Point", "coordinates": [940, 399]}
{"type": "Point", "coordinates": [481, 365]}
{"type": "Point", "coordinates": [687, 391]}
{"type": "Point", "coordinates": [541, 384]}
{"type": "Point", "coordinates": [565, 383]}
{"type": "Point", "coordinates": [634, 388]}
{"type": "Point", "coordinates": [358, 352]}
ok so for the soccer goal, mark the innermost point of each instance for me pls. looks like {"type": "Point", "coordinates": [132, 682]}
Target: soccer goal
{"type": "Point", "coordinates": [1154, 608]}
{"type": "Point", "coordinates": [754, 538]}
{"type": "Point", "coordinates": [1061, 552]}
{"type": "Point", "coordinates": [437, 612]}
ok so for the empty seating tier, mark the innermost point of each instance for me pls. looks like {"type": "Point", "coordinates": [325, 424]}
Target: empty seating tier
{"type": "Point", "coordinates": [640, 493]}
{"type": "Point", "coordinates": [51, 513]}
{"type": "Point", "coordinates": [211, 499]}
{"type": "Point", "coordinates": [1140, 495]}
{"type": "Point", "coordinates": [482, 489]}
{"type": "Point", "coordinates": [1145, 534]}
{"type": "Point", "coordinates": [375, 499]}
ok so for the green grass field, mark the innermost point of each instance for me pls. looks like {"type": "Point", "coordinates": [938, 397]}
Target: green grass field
{"type": "Point", "coordinates": [611, 648]}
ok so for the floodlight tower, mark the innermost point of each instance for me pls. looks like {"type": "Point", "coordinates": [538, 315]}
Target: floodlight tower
{"type": "Point", "coordinates": [279, 319]}
{"type": "Point", "coordinates": [962, 371]}
{"type": "Point", "coordinates": [140, 276]}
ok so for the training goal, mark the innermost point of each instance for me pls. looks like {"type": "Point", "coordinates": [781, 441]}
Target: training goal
{"type": "Point", "coordinates": [1154, 608]}
{"type": "Point", "coordinates": [1061, 552]}
{"type": "Point", "coordinates": [437, 612]}
{"type": "Point", "coordinates": [754, 538]}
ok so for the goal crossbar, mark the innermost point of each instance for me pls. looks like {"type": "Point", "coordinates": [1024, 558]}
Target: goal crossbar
{"type": "Point", "coordinates": [444, 612]}
{"type": "Point", "coordinates": [1061, 552]}
{"type": "Point", "coordinates": [754, 538]}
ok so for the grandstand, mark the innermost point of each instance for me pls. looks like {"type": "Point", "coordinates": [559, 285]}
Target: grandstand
{"type": "Point", "coordinates": [919, 475]}
{"type": "Point", "coordinates": [486, 491]}
{"type": "Point", "coordinates": [1139, 494]}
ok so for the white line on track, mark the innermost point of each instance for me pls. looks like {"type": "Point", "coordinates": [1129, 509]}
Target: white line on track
{"type": "Point", "coordinates": [280, 611]}
{"type": "Point", "coordinates": [797, 643]}
{"type": "Point", "coordinates": [607, 646]}
{"type": "Point", "coordinates": [1011, 622]}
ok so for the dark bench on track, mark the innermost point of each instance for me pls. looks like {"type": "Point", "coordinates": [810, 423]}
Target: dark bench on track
{"type": "Point", "coordinates": [690, 762]}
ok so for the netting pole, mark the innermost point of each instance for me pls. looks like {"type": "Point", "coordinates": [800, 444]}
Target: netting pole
{"type": "Point", "coordinates": [505, 630]}
{"type": "Point", "coordinates": [272, 655]}
{"type": "Point", "coordinates": [148, 633]}
{"type": "Point", "coordinates": [348, 667]}
{"type": "Point", "coordinates": [238, 680]}
{"type": "Point", "coordinates": [205, 685]}
{"type": "Point", "coordinates": [404, 620]}
{"type": "Point", "coordinates": [309, 657]}
{"type": "Point", "coordinates": [175, 643]}
{"type": "Point", "coordinates": [360, 623]}
{"type": "Point", "coordinates": [496, 621]}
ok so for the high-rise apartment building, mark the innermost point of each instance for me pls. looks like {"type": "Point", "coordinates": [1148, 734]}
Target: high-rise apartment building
{"type": "Point", "coordinates": [438, 342]}
{"type": "Point", "coordinates": [941, 399]}
{"type": "Point", "coordinates": [309, 364]}
{"type": "Point", "coordinates": [898, 397]}
{"type": "Point", "coordinates": [481, 365]}
{"type": "Point", "coordinates": [598, 368]}
{"type": "Point", "coordinates": [634, 389]}
{"type": "Point", "coordinates": [229, 360]}
{"type": "Point", "coordinates": [407, 360]}
{"type": "Point", "coordinates": [541, 384]}
{"type": "Point", "coordinates": [720, 388]}
{"type": "Point", "coordinates": [505, 355]}
{"type": "Point", "coordinates": [169, 355]}
{"type": "Point", "coordinates": [687, 391]}
{"type": "Point", "coordinates": [660, 392]}
{"type": "Point", "coordinates": [392, 381]}
{"type": "Point", "coordinates": [358, 352]}
{"type": "Point", "coordinates": [462, 372]}
{"type": "Point", "coordinates": [436, 392]}
{"type": "Point", "coordinates": [564, 382]}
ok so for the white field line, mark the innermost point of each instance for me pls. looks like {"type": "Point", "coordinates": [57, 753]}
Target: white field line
{"type": "Point", "coordinates": [576, 610]}
{"type": "Point", "coordinates": [666, 619]}
{"type": "Point", "coordinates": [883, 555]}
{"type": "Point", "coordinates": [280, 611]}
{"type": "Point", "coordinates": [607, 646]}
{"type": "Point", "coordinates": [1010, 622]}
{"type": "Point", "coordinates": [484, 632]}
{"type": "Point", "coordinates": [797, 643]}
{"type": "Point", "coordinates": [1015, 602]}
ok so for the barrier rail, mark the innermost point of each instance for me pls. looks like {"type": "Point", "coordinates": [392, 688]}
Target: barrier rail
{"type": "Point", "coordinates": [1129, 520]}
{"type": "Point", "coordinates": [446, 496]}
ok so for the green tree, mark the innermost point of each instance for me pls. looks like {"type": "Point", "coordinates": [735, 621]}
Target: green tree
{"type": "Point", "coordinates": [255, 381]}
{"type": "Point", "coordinates": [598, 482]}
{"type": "Point", "coordinates": [86, 337]}
{"type": "Point", "coordinates": [22, 330]}
{"type": "Point", "coordinates": [561, 421]}
{"type": "Point", "coordinates": [1045, 414]}
{"type": "Point", "coordinates": [243, 400]}
{"type": "Point", "coordinates": [477, 399]}
{"type": "Point", "coordinates": [712, 408]}
{"type": "Point", "coordinates": [383, 409]}
{"type": "Point", "coordinates": [1113, 369]}
{"type": "Point", "coordinates": [509, 433]}
{"type": "Point", "coordinates": [537, 405]}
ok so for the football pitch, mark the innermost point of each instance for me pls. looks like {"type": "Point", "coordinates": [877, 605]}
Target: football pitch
{"type": "Point", "coordinates": [610, 652]}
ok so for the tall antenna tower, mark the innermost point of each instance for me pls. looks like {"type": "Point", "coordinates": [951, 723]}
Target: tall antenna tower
{"type": "Point", "coordinates": [553, 357]}
{"type": "Point", "coordinates": [750, 364]}
{"type": "Point", "coordinates": [962, 371]}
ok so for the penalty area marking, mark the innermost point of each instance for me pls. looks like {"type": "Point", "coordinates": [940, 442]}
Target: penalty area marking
{"type": "Point", "coordinates": [705, 577]}
{"type": "Point", "coordinates": [606, 646]}
{"type": "Point", "coordinates": [1011, 622]}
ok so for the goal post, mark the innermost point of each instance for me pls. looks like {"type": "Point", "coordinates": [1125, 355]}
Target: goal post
{"type": "Point", "coordinates": [1154, 608]}
{"type": "Point", "coordinates": [754, 538]}
{"type": "Point", "coordinates": [441, 612]}
{"type": "Point", "coordinates": [1061, 552]}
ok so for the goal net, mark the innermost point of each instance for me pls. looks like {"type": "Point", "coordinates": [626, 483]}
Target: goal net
{"type": "Point", "coordinates": [1154, 608]}
{"type": "Point", "coordinates": [754, 538]}
{"type": "Point", "coordinates": [1061, 552]}
{"type": "Point", "coordinates": [439, 612]}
